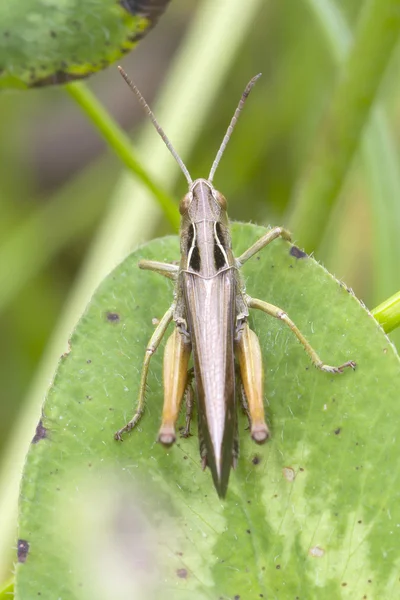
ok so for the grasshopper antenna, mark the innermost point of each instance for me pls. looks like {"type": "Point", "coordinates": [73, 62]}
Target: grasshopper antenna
{"type": "Point", "coordinates": [156, 125]}
{"type": "Point", "coordinates": [231, 126]}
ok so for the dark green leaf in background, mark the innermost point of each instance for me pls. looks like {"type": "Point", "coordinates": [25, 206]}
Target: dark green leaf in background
{"type": "Point", "coordinates": [44, 42]}
{"type": "Point", "coordinates": [315, 513]}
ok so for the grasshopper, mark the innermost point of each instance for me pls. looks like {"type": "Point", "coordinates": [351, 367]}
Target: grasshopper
{"type": "Point", "coordinates": [210, 311]}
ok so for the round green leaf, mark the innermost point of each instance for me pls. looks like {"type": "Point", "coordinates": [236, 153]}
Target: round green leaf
{"type": "Point", "coordinates": [314, 513]}
{"type": "Point", "coordinates": [44, 43]}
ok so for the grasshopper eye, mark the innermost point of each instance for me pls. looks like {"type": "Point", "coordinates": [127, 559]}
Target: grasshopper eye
{"type": "Point", "coordinates": [221, 200]}
{"type": "Point", "coordinates": [185, 203]}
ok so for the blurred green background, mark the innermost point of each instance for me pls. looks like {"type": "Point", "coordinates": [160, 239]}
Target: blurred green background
{"type": "Point", "coordinates": [58, 178]}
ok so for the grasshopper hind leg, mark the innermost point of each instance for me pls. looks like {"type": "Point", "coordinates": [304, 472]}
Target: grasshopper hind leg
{"type": "Point", "coordinates": [249, 357]}
{"type": "Point", "coordinates": [176, 384]}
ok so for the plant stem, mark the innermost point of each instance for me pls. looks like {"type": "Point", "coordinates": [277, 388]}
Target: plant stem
{"type": "Point", "coordinates": [121, 144]}
{"type": "Point", "coordinates": [388, 313]}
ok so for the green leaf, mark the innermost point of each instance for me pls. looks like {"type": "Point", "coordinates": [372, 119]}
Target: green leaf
{"type": "Point", "coordinates": [43, 44]}
{"type": "Point", "coordinates": [314, 513]}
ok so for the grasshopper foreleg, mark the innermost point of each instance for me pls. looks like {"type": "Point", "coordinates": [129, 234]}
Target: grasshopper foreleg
{"type": "Point", "coordinates": [266, 239]}
{"type": "Point", "coordinates": [151, 348]}
{"type": "Point", "coordinates": [278, 313]}
{"type": "Point", "coordinates": [166, 269]}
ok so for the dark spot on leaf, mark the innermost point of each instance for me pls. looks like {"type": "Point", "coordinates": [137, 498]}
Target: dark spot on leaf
{"type": "Point", "coordinates": [6, 33]}
{"type": "Point", "coordinates": [338, 430]}
{"type": "Point", "coordinates": [237, 597]}
{"type": "Point", "coordinates": [138, 35]}
{"type": "Point", "coordinates": [53, 34]}
{"type": "Point", "coordinates": [248, 531]}
{"type": "Point", "coordinates": [88, 361]}
{"type": "Point", "coordinates": [344, 584]}
{"type": "Point", "coordinates": [40, 434]}
{"type": "Point", "coordinates": [278, 567]}
{"type": "Point", "coordinates": [89, 397]}
{"type": "Point", "coordinates": [112, 317]}
{"type": "Point", "coordinates": [301, 469]}
{"type": "Point", "coordinates": [149, 10]}
{"type": "Point", "coordinates": [248, 501]}
{"type": "Point", "coordinates": [256, 459]}
{"type": "Point", "coordinates": [182, 573]}
{"type": "Point", "coordinates": [359, 522]}
{"type": "Point", "coordinates": [297, 253]}
{"type": "Point", "coordinates": [57, 78]}
{"type": "Point", "coordinates": [369, 580]}
{"type": "Point", "coordinates": [22, 550]}
{"type": "Point", "coordinates": [179, 553]}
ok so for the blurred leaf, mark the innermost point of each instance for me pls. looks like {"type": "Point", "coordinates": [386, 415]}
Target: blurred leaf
{"type": "Point", "coordinates": [375, 38]}
{"type": "Point", "coordinates": [306, 513]}
{"type": "Point", "coordinates": [43, 44]}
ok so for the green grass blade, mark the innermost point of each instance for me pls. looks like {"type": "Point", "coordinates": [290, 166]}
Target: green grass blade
{"type": "Point", "coordinates": [375, 38]}
{"type": "Point", "coordinates": [379, 161]}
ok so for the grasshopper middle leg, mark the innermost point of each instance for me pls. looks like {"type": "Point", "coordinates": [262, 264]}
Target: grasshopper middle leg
{"type": "Point", "coordinates": [151, 348]}
{"type": "Point", "coordinates": [266, 239]}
